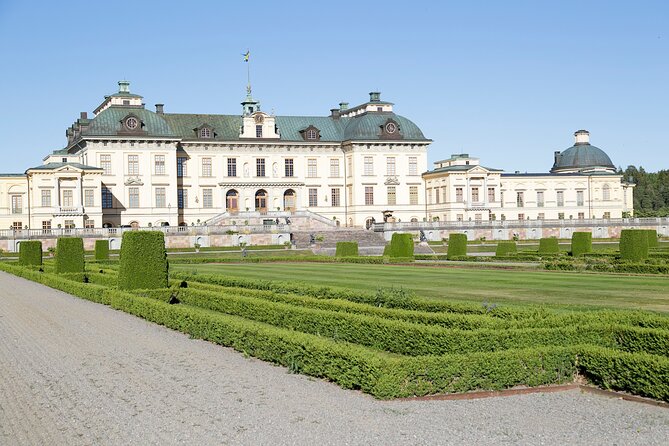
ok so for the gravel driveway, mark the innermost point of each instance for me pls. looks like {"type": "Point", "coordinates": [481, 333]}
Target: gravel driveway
{"type": "Point", "coordinates": [74, 372]}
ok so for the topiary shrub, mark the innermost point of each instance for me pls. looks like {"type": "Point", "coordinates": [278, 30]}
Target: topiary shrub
{"type": "Point", "coordinates": [549, 245]}
{"type": "Point", "coordinates": [504, 248]}
{"type": "Point", "coordinates": [457, 245]}
{"type": "Point", "coordinates": [401, 245]}
{"type": "Point", "coordinates": [346, 249]}
{"type": "Point", "coordinates": [30, 252]}
{"type": "Point", "coordinates": [581, 242]}
{"type": "Point", "coordinates": [652, 238]}
{"type": "Point", "coordinates": [102, 250]}
{"type": "Point", "coordinates": [634, 244]}
{"type": "Point", "coordinates": [70, 255]}
{"type": "Point", "coordinates": [143, 261]}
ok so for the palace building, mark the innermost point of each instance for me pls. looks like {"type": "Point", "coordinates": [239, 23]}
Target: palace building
{"type": "Point", "coordinates": [131, 166]}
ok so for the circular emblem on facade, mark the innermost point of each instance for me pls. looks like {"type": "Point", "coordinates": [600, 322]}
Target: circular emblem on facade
{"type": "Point", "coordinates": [131, 123]}
{"type": "Point", "coordinates": [391, 127]}
{"type": "Point", "coordinates": [259, 119]}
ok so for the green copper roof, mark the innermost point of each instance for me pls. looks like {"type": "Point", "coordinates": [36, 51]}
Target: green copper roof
{"type": "Point", "coordinates": [53, 166]}
{"type": "Point", "coordinates": [582, 156]}
{"type": "Point", "coordinates": [330, 129]}
{"type": "Point", "coordinates": [108, 122]}
{"type": "Point", "coordinates": [226, 127]}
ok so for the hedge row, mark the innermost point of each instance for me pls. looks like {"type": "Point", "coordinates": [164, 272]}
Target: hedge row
{"type": "Point", "coordinates": [70, 255]}
{"type": "Point", "coordinates": [505, 248]}
{"type": "Point", "coordinates": [634, 244]}
{"type": "Point", "coordinates": [30, 252]}
{"type": "Point", "coordinates": [401, 245]}
{"type": "Point", "coordinates": [581, 242]}
{"type": "Point", "coordinates": [346, 249]}
{"type": "Point", "coordinates": [457, 245]}
{"type": "Point", "coordinates": [143, 260]}
{"type": "Point", "coordinates": [549, 245]}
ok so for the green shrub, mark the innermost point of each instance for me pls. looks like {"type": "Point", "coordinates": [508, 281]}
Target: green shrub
{"type": "Point", "coordinates": [549, 245]}
{"type": "Point", "coordinates": [30, 252]}
{"type": "Point", "coordinates": [634, 244]}
{"type": "Point", "coordinates": [143, 260]}
{"type": "Point", "coordinates": [347, 249]}
{"type": "Point", "coordinates": [401, 245]}
{"type": "Point", "coordinates": [457, 245]}
{"type": "Point", "coordinates": [581, 242]}
{"type": "Point", "coordinates": [70, 255]}
{"type": "Point", "coordinates": [102, 250]}
{"type": "Point", "coordinates": [652, 238]}
{"type": "Point", "coordinates": [505, 248]}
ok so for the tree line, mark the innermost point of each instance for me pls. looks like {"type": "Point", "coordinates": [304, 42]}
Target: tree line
{"type": "Point", "coordinates": [651, 194]}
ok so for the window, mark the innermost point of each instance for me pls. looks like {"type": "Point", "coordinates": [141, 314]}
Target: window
{"type": "Point", "coordinates": [540, 216]}
{"type": "Point", "coordinates": [68, 198]}
{"type": "Point", "coordinates": [390, 165]}
{"type": "Point", "coordinates": [413, 194]}
{"type": "Point", "coordinates": [46, 225]}
{"type": "Point", "coordinates": [581, 215]}
{"type": "Point", "coordinates": [46, 197]}
{"type": "Point", "coordinates": [312, 168]}
{"type": "Point", "coordinates": [259, 131]}
{"type": "Point", "coordinates": [349, 190]}
{"type": "Point", "coordinates": [159, 164]}
{"type": "Point", "coordinates": [459, 217]}
{"type": "Point", "coordinates": [182, 198]}
{"type": "Point", "coordinates": [369, 165]}
{"type": "Point", "coordinates": [89, 224]}
{"type": "Point", "coordinates": [350, 167]}
{"type": "Point", "coordinates": [232, 201]}
{"type": "Point", "coordinates": [560, 215]}
{"type": "Point", "coordinates": [335, 197]}
{"type": "Point", "coordinates": [288, 167]}
{"type": "Point", "coordinates": [413, 165]}
{"type": "Point", "coordinates": [205, 133]}
{"type": "Point", "coordinates": [579, 198]}
{"type": "Point", "coordinates": [369, 195]}
{"type": "Point", "coordinates": [260, 167]}
{"type": "Point", "coordinates": [392, 196]}
{"type": "Point", "coordinates": [478, 218]}
{"type": "Point", "coordinates": [606, 192]}
{"type": "Point", "coordinates": [89, 198]}
{"type": "Point", "coordinates": [133, 197]}
{"type": "Point", "coordinates": [206, 167]}
{"type": "Point", "coordinates": [540, 199]}
{"type": "Point", "coordinates": [106, 198]}
{"type": "Point", "coordinates": [501, 199]}
{"type": "Point", "coordinates": [521, 216]}
{"type": "Point", "coordinates": [313, 197]}
{"type": "Point", "coordinates": [560, 198]}
{"type": "Point", "coordinates": [458, 195]}
{"type": "Point", "coordinates": [69, 224]}
{"type": "Point", "coordinates": [491, 194]}
{"type": "Point", "coordinates": [181, 167]}
{"type": "Point", "coordinates": [334, 168]}
{"type": "Point", "coordinates": [520, 199]}
{"type": "Point", "coordinates": [475, 194]}
{"type": "Point", "coordinates": [105, 164]}
{"type": "Point", "coordinates": [607, 215]}
{"type": "Point", "coordinates": [312, 134]}
{"type": "Point", "coordinates": [436, 195]}
{"type": "Point", "coordinates": [160, 197]}
{"type": "Point", "coordinates": [232, 167]}
{"type": "Point", "coordinates": [133, 164]}
{"type": "Point", "coordinates": [207, 198]}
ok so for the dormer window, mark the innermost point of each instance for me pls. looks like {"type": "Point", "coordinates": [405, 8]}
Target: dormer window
{"type": "Point", "coordinates": [390, 130]}
{"type": "Point", "coordinates": [258, 131]}
{"type": "Point", "coordinates": [312, 134]}
{"type": "Point", "coordinates": [205, 133]}
{"type": "Point", "coordinates": [126, 102]}
{"type": "Point", "coordinates": [131, 123]}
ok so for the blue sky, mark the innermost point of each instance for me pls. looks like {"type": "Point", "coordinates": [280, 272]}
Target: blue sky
{"type": "Point", "coordinates": [508, 81]}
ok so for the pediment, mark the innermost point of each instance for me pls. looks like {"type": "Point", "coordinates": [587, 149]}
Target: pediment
{"type": "Point", "coordinates": [134, 181]}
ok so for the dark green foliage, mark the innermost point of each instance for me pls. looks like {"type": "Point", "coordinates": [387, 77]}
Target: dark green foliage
{"type": "Point", "coordinates": [549, 245]}
{"type": "Point", "coordinates": [457, 245]}
{"type": "Point", "coordinates": [633, 244]}
{"type": "Point", "coordinates": [347, 249]}
{"type": "Point", "coordinates": [30, 252]}
{"type": "Point", "coordinates": [505, 248]}
{"type": "Point", "coordinates": [102, 250]}
{"type": "Point", "coordinates": [652, 238]}
{"type": "Point", "coordinates": [651, 193]}
{"type": "Point", "coordinates": [143, 260]}
{"type": "Point", "coordinates": [401, 245]}
{"type": "Point", "coordinates": [581, 242]}
{"type": "Point", "coordinates": [70, 255]}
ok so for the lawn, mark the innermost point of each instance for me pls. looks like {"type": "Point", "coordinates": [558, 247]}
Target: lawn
{"type": "Point", "coordinates": [597, 290]}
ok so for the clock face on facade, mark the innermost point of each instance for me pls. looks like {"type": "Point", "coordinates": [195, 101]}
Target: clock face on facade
{"type": "Point", "coordinates": [131, 123]}
{"type": "Point", "coordinates": [391, 127]}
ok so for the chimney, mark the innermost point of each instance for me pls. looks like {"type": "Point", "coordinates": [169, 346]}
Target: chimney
{"type": "Point", "coordinates": [83, 115]}
{"type": "Point", "coordinates": [582, 137]}
{"type": "Point", "coordinates": [374, 96]}
{"type": "Point", "coordinates": [556, 154]}
{"type": "Point", "coordinates": [159, 108]}
{"type": "Point", "coordinates": [334, 113]}
{"type": "Point", "coordinates": [343, 106]}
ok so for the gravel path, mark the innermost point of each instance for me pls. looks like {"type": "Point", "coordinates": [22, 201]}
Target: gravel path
{"type": "Point", "coordinates": [74, 372]}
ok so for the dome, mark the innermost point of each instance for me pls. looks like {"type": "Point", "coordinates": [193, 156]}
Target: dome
{"type": "Point", "coordinates": [581, 156]}
{"type": "Point", "coordinates": [368, 126]}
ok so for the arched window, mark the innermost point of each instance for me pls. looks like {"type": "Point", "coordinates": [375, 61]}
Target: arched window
{"type": "Point", "coordinates": [232, 201]}
{"type": "Point", "coordinates": [261, 200]}
{"type": "Point", "coordinates": [205, 132]}
{"type": "Point", "coordinates": [289, 200]}
{"type": "Point", "coordinates": [606, 192]}
{"type": "Point", "coordinates": [311, 134]}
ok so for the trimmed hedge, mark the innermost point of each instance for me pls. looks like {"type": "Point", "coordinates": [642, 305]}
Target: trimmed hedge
{"type": "Point", "coordinates": [581, 242]}
{"type": "Point", "coordinates": [347, 249]}
{"type": "Point", "coordinates": [401, 245]}
{"type": "Point", "coordinates": [634, 244]}
{"type": "Point", "coordinates": [143, 260]}
{"type": "Point", "coordinates": [102, 249]}
{"type": "Point", "coordinates": [652, 238]}
{"type": "Point", "coordinates": [549, 245]}
{"type": "Point", "coordinates": [70, 255]}
{"type": "Point", "coordinates": [457, 245]}
{"type": "Point", "coordinates": [30, 252]}
{"type": "Point", "coordinates": [505, 248]}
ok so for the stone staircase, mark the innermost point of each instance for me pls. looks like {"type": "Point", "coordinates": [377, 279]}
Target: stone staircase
{"type": "Point", "coordinates": [365, 238]}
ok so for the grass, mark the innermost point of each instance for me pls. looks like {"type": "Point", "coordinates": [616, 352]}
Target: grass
{"type": "Point", "coordinates": [555, 288]}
